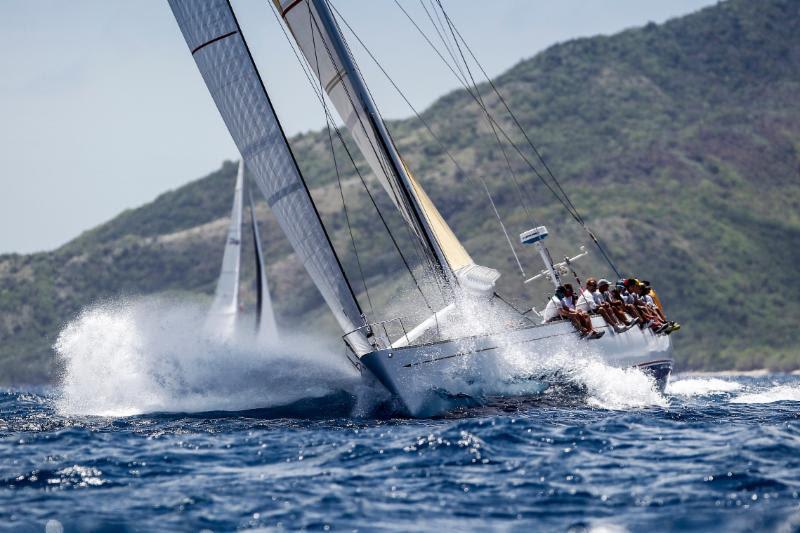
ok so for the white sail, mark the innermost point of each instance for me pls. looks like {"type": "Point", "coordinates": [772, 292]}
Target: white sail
{"type": "Point", "coordinates": [266, 328]}
{"type": "Point", "coordinates": [224, 309]}
{"type": "Point", "coordinates": [215, 40]}
{"type": "Point", "coordinates": [326, 51]}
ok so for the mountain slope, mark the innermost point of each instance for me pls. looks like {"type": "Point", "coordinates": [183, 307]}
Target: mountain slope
{"type": "Point", "coordinates": [680, 144]}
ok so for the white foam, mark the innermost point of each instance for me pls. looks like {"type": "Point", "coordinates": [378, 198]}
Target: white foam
{"type": "Point", "coordinates": [778, 393]}
{"type": "Point", "coordinates": [701, 387]}
{"type": "Point", "coordinates": [150, 355]}
{"type": "Point", "coordinates": [575, 364]}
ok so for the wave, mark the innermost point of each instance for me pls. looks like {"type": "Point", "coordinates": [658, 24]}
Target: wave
{"type": "Point", "coordinates": [130, 357]}
{"type": "Point", "coordinates": [152, 355]}
{"type": "Point", "coordinates": [576, 367]}
{"type": "Point", "coordinates": [777, 393]}
{"type": "Point", "coordinates": [701, 386]}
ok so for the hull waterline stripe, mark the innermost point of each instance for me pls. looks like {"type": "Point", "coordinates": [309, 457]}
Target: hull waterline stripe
{"type": "Point", "coordinates": [212, 41]}
{"type": "Point", "coordinates": [459, 354]}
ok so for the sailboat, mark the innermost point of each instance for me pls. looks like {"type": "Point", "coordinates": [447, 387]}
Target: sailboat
{"type": "Point", "coordinates": [456, 355]}
{"type": "Point", "coordinates": [225, 312]}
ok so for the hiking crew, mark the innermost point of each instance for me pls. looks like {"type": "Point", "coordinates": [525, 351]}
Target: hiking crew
{"type": "Point", "coordinates": [628, 303]}
{"type": "Point", "coordinates": [596, 302]}
{"type": "Point", "coordinates": [580, 319]}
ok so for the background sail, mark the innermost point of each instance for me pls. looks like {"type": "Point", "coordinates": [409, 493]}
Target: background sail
{"type": "Point", "coordinates": [213, 35]}
{"type": "Point", "coordinates": [329, 58]}
{"type": "Point", "coordinates": [266, 327]}
{"type": "Point", "coordinates": [222, 316]}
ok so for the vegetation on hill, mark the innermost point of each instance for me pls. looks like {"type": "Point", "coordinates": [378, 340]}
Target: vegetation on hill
{"type": "Point", "coordinates": [680, 144]}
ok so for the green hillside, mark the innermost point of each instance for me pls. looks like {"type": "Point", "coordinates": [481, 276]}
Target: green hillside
{"type": "Point", "coordinates": [679, 143]}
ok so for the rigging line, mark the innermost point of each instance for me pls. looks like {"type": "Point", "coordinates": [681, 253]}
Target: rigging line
{"type": "Point", "coordinates": [399, 199]}
{"type": "Point", "coordinates": [508, 109]}
{"type": "Point", "coordinates": [530, 143]}
{"type": "Point", "coordinates": [485, 108]}
{"type": "Point", "coordinates": [339, 181]}
{"type": "Point", "coordinates": [500, 127]}
{"type": "Point", "coordinates": [445, 41]}
{"type": "Point", "coordinates": [330, 120]}
{"type": "Point", "coordinates": [436, 138]}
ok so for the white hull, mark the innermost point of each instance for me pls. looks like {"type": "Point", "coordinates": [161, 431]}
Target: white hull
{"type": "Point", "coordinates": [433, 378]}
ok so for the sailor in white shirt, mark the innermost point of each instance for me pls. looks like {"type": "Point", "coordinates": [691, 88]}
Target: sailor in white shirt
{"type": "Point", "coordinates": [580, 319]}
{"type": "Point", "coordinates": [600, 305]}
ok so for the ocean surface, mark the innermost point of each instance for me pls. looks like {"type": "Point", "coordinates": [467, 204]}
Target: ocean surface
{"type": "Point", "coordinates": [149, 432]}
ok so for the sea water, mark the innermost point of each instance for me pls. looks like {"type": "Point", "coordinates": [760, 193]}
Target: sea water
{"type": "Point", "coordinates": [153, 428]}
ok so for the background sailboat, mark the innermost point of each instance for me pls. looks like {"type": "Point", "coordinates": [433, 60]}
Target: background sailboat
{"type": "Point", "coordinates": [225, 313]}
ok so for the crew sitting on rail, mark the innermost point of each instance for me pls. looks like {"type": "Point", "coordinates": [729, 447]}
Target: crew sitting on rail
{"type": "Point", "coordinates": [646, 306]}
{"type": "Point", "coordinates": [652, 300]}
{"type": "Point", "coordinates": [626, 300]}
{"type": "Point", "coordinates": [613, 298]}
{"type": "Point", "coordinates": [581, 320]}
{"type": "Point", "coordinates": [600, 302]}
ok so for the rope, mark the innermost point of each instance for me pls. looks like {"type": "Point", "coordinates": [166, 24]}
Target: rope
{"type": "Point", "coordinates": [527, 138]}
{"type": "Point", "coordinates": [436, 138]}
{"type": "Point", "coordinates": [565, 201]}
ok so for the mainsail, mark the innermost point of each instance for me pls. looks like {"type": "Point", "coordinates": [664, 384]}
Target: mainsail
{"type": "Point", "coordinates": [265, 316]}
{"type": "Point", "coordinates": [222, 317]}
{"type": "Point", "coordinates": [321, 42]}
{"type": "Point", "coordinates": [216, 42]}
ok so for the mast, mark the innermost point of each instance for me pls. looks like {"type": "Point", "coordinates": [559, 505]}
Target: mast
{"type": "Point", "coordinates": [320, 39]}
{"type": "Point", "coordinates": [386, 142]}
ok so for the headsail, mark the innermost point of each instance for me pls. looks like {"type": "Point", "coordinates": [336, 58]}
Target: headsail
{"type": "Point", "coordinates": [321, 42]}
{"type": "Point", "coordinates": [222, 317]}
{"type": "Point", "coordinates": [265, 316]}
{"type": "Point", "coordinates": [215, 40]}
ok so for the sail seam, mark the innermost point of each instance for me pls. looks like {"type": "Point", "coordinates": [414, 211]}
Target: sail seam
{"type": "Point", "coordinates": [282, 193]}
{"type": "Point", "coordinates": [212, 41]}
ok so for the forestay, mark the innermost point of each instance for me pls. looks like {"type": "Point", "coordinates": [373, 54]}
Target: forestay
{"type": "Point", "coordinates": [213, 35]}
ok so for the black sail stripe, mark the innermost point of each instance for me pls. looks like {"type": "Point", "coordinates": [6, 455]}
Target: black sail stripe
{"type": "Point", "coordinates": [272, 200]}
{"type": "Point", "coordinates": [212, 41]}
{"type": "Point", "coordinates": [289, 8]}
{"type": "Point", "coordinates": [334, 81]}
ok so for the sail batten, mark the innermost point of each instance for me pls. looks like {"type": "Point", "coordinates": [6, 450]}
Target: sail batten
{"type": "Point", "coordinates": [235, 85]}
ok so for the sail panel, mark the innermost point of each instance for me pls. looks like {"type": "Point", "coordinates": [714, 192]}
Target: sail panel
{"type": "Point", "coordinates": [457, 255]}
{"type": "Point", "coordinates": [212, 33]}
{"type": "Point", "coordinates": [339, 79]}
{"type": "Point", "coordinates": [226, 296]}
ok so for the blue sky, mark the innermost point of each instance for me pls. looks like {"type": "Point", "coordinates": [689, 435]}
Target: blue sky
{"type": "Point", "coordinates": [102, 108]}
